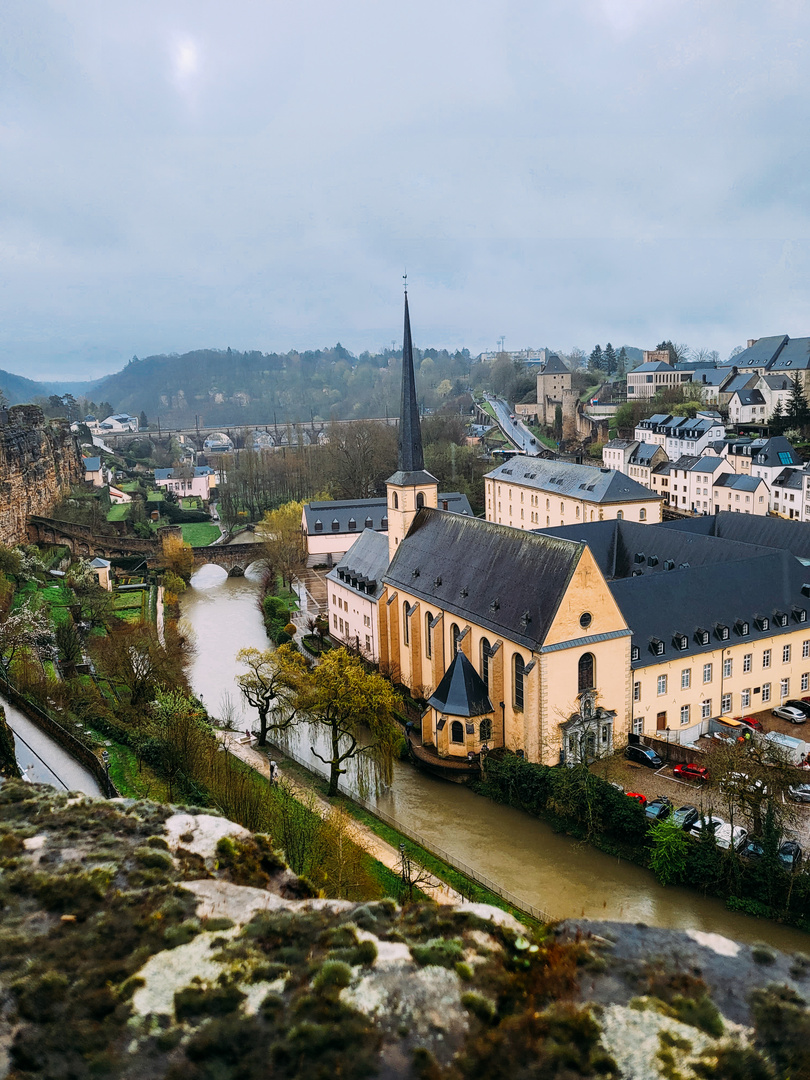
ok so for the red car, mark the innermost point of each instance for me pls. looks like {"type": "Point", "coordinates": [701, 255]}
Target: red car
{"type": "Point", "coordinates": [637, 795]}
{"type": "Point", "coordinates": [691, 772]}
{"type": "Point", "coordinates": [751, 721]}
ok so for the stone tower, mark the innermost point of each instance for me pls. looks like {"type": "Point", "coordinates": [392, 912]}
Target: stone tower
{"type": "Point", "coordinates": [411, 487]}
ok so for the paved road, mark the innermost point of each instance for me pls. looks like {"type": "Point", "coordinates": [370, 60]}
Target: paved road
{"type": "Point", "coordinates": [515, 430]}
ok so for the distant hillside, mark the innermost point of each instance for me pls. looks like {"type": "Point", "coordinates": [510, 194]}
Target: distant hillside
{"type": "Point", "coordinates": [227, 387]}
{"type": "Point", "coordinates": [19, 390]}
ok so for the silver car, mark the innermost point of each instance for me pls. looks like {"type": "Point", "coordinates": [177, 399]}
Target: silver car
{"type": "Point", "coordinates": [727, 837]}
{"type": "Point", "coordinates": [800, 792]}
{"type": "Point", "coordinates": [791, 713]}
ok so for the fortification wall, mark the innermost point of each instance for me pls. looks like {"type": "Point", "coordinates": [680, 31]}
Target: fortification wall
{"type": "Point", "coordinates": [40, 460]}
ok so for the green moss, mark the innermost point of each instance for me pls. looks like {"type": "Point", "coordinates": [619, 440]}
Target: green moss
{"type": "Point", "coordinates": [181, 934]}
{"type": "Point", "coordinates": [196, 1001]}
{"type": "Point", "coordinates": [153, 858]}
{"type": "Point", "coordinates": [438, 952]}
{"type": "Point", "coordinates": [479, 1006]}
{"type": "Point", "coordinates": [334, 975]}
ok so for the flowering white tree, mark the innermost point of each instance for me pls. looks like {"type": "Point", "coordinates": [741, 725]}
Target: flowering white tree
{"type": "Point", "coordinates": [23, 629]}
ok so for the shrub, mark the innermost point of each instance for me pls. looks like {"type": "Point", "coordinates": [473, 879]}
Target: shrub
{"type": "Point", "coordinates": [438, 952]}
{"type": "Point", "coordinates": [334, 975]}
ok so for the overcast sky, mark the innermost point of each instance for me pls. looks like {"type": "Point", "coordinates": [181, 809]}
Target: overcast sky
{"type": "Point", "coordinates": [259, 174]}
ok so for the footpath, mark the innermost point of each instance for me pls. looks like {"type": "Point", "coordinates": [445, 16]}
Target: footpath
{"type": "Point", "coordinates": [362, 835]}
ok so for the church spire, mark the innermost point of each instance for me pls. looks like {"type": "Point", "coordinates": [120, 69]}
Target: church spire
{"type": "Point", "coordinates": [411, 458]}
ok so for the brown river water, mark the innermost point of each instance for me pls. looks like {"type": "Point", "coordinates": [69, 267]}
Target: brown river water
{"type": "Point", "coordinates": [555, 873]}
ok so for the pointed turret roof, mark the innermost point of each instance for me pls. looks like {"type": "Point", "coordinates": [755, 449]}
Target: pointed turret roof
{"type": "Point", "coordinates": [411, 458]}
{"type": "Point", "coordinates": [462, 691]}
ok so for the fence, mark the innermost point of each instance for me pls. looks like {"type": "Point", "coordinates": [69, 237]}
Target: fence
{"type": "Point", "coordinates": [66, 739]}
{"type": "Point", "coordinates": [416, 838]}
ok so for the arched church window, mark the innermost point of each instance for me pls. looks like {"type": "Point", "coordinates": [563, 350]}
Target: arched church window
{"type": "Point", "coordinates": [394, 500]}
{"type": "Point", "coordinates": [420, 500]}
{"type": "Point", "coordinates": [586, 672]}
{"type": "Point", "coordinates": [457, 732]}
{"type": "Point", "coordinates": [486, 652]}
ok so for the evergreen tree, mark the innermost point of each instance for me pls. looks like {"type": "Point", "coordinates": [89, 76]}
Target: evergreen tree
{"type": "Point", "coordinates": [622, 362]}
{"type": "Point", "coordinates": [777, 420]}
{"type": "Point", "coordinates": [610, 359]}
{"type": "Point", "coordinates": [670, 348]}
{"type": "Point", "coordinates": [798, 411]}
{"type": "Point", "coordinates": [596, 360]}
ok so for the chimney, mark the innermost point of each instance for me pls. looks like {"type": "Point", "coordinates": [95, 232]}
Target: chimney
{"type": "Point", "coordinates": [752, 341]}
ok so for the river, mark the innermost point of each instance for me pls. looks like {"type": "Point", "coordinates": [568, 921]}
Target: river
{"type": "Point", "coordinates": [560, 875]}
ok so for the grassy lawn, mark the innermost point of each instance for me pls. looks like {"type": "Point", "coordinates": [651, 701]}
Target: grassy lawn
{"type": "Point", "coordinates": [56, 597]}
{"type": "Point", "coordinates": [120, 512]}
{"type": "Point", "coordinates": [200, 534]}
{"type": "Point", "coordinates": [191, 502]}
{"type": "Point", "coordinates": [485, 405]}
{"type": "Point", "coordinates": [131, 605]}
{"type": "Point", "coordinates": [155, 497]}
{"type": "Point", "coordinates": [129, 486]}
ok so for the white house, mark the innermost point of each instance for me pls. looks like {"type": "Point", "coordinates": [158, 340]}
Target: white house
{"type": "Point", "coordinates": [353, 589]}
{"type": "Point", "coordinates": [185, 482]}
{"type": "Point", "coordinates": [116, 422]}
{"type": "Point", "coordinates": [681, 435]}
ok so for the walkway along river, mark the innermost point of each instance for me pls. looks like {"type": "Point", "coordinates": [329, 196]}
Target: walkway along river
{"type": "Point", "coordinates": [555, 873]}
{"type": "Point", "coordinates": [44, 761]}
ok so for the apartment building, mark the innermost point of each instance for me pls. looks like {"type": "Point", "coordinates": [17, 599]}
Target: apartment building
{"type": "Point", "coordinates": [529, 493]}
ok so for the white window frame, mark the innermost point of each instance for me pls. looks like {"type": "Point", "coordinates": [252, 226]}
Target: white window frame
{"type": "Point", "coordinates": [728, 667]}
{"type": "Point", "coordinates": [684, 714]}
{"type": "Point", "coordinates": [766, 658]}
{"type": "Point", "coordinates": [745, 699]}
{"type": "Point", "coordinates": [766, 692]}
{"type": "Point", "coordinates": [725, 704]}
{"type": "Point", "coordinates": [784, 688]}
{"type": "Point", "coordinates": [686, 678]}
{"type": "Point", "coordinates": [747, 662]}
{"type": "Point", "coordinates": [707, 673]}
{"type": "Point", "coordinates": [786, 654]}
{"type": "Point", "coordinates": [662, 685]}
{"type": "Point", "coordinates": [706, 709]}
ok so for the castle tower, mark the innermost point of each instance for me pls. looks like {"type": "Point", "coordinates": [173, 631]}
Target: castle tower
{"type": "Point", "coordinates": [411, 487]}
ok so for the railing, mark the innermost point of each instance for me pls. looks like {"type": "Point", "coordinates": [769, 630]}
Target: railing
{"type": "Point", "coordinates": [439, 853]}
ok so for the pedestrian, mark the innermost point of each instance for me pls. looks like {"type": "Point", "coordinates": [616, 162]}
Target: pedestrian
{"type": "Point", "coordinates": [408, 729]}
{"type": "Point", "coordinates": [273, 772]}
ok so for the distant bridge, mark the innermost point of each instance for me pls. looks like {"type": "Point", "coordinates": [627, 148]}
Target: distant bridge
{"type": "Point", "coordinates": [82, 541]}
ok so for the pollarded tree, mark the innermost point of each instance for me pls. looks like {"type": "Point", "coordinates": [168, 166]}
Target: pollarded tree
{"type": "Point", "coordinates": [270, 682]}
{"type": "Point", "coordinates": [355, 709]}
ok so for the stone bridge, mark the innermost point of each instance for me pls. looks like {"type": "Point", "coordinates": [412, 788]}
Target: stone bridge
{"type": "Point", "coordinates": [82, 541]}
{"type": "Point", "coordinates": [235, 558]}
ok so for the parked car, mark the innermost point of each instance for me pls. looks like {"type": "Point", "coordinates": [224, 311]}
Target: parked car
{"type": "Point", "coordinates": [799, 792]}
{"type": "Point", "coordinates": [740, 781]}
{"type": "Point", "coordinates": [642, 755]}
{"type": "Point", "coordinates": [659, 808]}
{"type": "Point", "coordinates": [727, 837]}
{"type": "Point", "coordinates": [685, 816]}
{"type": "Point", "coordinates": [790, 854]}
{"type": "Point", "coordinates": [638, 796]}
{"type": "Point", "coordinates": [707, 826]}
{"type": "Point", "coordinates": [791, 713]}
{"type": "Point", "coordinates": [752, 722]}
{"type": "Point", "coordinates": [802, 706]}
{"type": "Point", "coordinates": [752, 849]}
{"type": "Point", "coordinates": [691, 771]}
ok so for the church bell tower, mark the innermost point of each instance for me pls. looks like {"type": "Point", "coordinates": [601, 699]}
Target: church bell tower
{"type": "Point", "coordinates": [411, 487]}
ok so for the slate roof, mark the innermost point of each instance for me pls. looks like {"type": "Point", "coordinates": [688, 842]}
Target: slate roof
{"type": "Point", "coordinates": [707, 463]}
{"type": "Point", "coordinates": [739, 382]}
{"type": "Point", "coordinates": [685, 462]}
{"type": "Point", "coordinates": [659, 607]}
{"type": "Point", "coordinates": [790, 478]}
{"type": "Point", "coordinates": [364, 564]}
{"type": "Point", "coordinates": [625, 549]}
{"type": "Point", "coordinates": [644, 453]}
{"type": "Point", "coordinates": [580, 481]}
{"type": "Point", "coordinates": [509, 581]}
{"type": "Point", "coordinates": [711, 376]}
{"type": "Point", "coordinates": [677, 427]}
{"type": "Point", "coordinates": [774, 451]}
{"type": "Point", "coordinates": [344, 510]}
{"type": "Point", "coordinates": [554, 366]}
{"type": "Point", "coordinates": [651, 365]}
{"type": "Point", "coordinates": [795, 356]}
{"type": "Point", "coordinates": [739, 481]}
{"type": "Point", "coordinates": [620, 444]}
{"type": "Point", "coordinates": [760, 354]}
{"type": "Point", "coordinates": [92, 464]}
{"type": "Point", "coordinates": [462, 691]}
{"type": "Point", "coordinates": [777, 382]}
{"type": "Point", "coordinates": [749, 396]}
{"type": "Point", "coordinates": [773, 532]}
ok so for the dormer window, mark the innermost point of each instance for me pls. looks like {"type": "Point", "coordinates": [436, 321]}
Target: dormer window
{"type": "Point", "coordinates": [635, 653]}
{"type": "Point", "coordinates": [369, 523]}
{"type": "Point", "coordinates": [800, 614]}
{"type": "Point", "coordinates": [680, 641]}
{"type": "Point", "coordinates": [781, 619]}
{"type": "Point", "coordinates": [335, 525]}
{"type": "Point", "coordinates": [669, 564]}
{"type": "Point", "coordinates": [656, 646]}
{"type": "Point", "coordinates": [384, 523]}
{"type": "Point", "coordinates": [702, 636]}
{"type": "Point", "coordinates": [763, 622]}
{"type": "Point", "coordinates": [721, 631]}
{"type": "Point", "coordinates": [319, 525]}
{"type": "Point", "coordinates": [742, 627]}
{"type": "Point", "coordinates": [352, 523]}
{"type": "Point", "coordinates": [652, 561]}
{"type": "Point", "coordinates": [639, 556]}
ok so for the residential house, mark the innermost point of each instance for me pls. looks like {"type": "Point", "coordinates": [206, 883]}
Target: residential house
{"type": "Point", "coordinates": [95, 472]}
{"type": "Point", "coordinates": [788, 494]}
{"type": "Point", "coordinates": [116, 422]}
{"type": "Point", "coordinates": [748, 406]}
{"type": "Point", "coordinates": [528, 493]}
{"type": "Point", "coordinates": [680, 435]}
{"type": "Point", "coordinates": [633, 458]}
{"type": "Point", "coordinates": [331, 527]}
{"type": "Point", "coordinates": [353, 592]}
{"type": "Point", "coordinates": [186, 482]}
